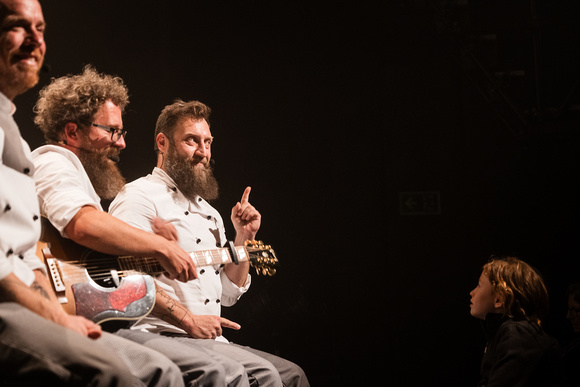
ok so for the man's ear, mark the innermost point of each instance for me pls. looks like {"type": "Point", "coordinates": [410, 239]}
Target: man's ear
{"type": "Point", "coordinates": [71, 133]}
{"type": "Point", "coordinates": [162, 143]}
{"type": "Point", "coordinates": [499, 302]}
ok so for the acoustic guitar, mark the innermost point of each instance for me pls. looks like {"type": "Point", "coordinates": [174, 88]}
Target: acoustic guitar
{"type": "Point", "coordinates": [103, 287]}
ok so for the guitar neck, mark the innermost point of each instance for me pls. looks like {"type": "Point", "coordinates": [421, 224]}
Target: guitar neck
{"type": "Point", "coordinates": [201, 258]}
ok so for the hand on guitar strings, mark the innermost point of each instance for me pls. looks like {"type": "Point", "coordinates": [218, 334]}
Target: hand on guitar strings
{"type": "Point", "coordinates": [167, 230]}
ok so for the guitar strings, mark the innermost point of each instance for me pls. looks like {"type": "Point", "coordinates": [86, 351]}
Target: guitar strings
{"type": "Point", "coordinates": [100, 268]}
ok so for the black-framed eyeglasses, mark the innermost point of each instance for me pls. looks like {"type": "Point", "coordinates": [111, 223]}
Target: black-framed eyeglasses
{"type": "Point", "coordinates": [116, 133]}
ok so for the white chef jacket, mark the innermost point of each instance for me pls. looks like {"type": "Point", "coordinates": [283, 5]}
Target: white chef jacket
{"type": "Point", "coordinates": [62, 184]}
{"type": "Point", "coordinates": [199, 227]}
{"type": "Point", "coordinates": [19, 213]}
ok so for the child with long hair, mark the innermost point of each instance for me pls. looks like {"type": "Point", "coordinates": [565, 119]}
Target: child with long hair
{"type": "Point", "coordinates": [511, 299]}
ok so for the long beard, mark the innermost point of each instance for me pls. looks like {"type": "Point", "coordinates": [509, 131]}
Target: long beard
{"type": "Point", "coordinates": [102, 171]}
{"type": "Point", "coordinates": [191, 178]}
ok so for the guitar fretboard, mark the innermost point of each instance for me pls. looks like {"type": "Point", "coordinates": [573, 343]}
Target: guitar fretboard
{"type": "Point", "coordinates": [200, 258]}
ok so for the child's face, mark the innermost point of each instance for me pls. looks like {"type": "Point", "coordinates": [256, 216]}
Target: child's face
{"type": "Point", "coordinates": [483, 301]}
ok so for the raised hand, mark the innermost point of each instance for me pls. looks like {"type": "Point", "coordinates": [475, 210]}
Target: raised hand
{"type": "Point", "coordinates": [246, 218]}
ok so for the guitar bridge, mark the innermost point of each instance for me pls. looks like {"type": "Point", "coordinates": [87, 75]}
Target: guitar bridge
{"type": "Point", "coordinates": [52, 265]}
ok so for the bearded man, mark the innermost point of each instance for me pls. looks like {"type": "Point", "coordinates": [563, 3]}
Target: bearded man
{"type": "Point", "coordinates": [178, 190]}
{"type": "Point", "coordinates": [81, 118]}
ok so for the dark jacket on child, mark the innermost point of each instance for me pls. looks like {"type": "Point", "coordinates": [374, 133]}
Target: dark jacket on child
{"type": "Point", "coordinates": [519, 353]}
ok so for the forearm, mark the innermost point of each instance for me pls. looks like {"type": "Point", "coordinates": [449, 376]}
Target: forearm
{"type": "Point", "coordinates": [242, 237]}
{"type": "Point", "coordinates": [37, 297]}
{"type": "Point", "coordinates": [171, 311]}
{"type": "Point", "coordinates": [238, 274]}
{"type": "Point", "coordinates": [100, 231]}
{"type": "Point", "coordinates": [197, 326]}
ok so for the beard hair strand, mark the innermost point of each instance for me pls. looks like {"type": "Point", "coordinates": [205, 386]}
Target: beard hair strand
{"type": "Point", "coordinates": [189, 177]}
{"type": "Point", "coordinates": [104, 174]}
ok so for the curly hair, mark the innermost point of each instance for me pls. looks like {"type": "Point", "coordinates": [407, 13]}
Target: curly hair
{"type": "Point", "coordinates": [520, 286]}
{"type": "Point", "coordinates": [171, 114]}
{"type": "Point", "coordinates": [76, 98]}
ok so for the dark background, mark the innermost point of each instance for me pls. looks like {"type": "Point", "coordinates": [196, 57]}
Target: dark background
{"type": "Point", "coordinates": [330, 111]}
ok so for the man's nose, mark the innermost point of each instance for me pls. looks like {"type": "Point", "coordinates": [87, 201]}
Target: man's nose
{"type": "Point", "coordinates": [35, 37]}
{"type": "Point", "coordinates": [120, 143]}
{"type": "Point", "coordinates": [201, 151]}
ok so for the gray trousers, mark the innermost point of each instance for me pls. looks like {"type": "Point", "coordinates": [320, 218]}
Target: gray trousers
{"type": "Point", "coordinates": [38, 352]}
{"type": "Point", "coordinates": [199, 366]}
{"type": "Point", "coordinates": [260, 368]}
{"type": "Point", "coordinates": [290, 373]}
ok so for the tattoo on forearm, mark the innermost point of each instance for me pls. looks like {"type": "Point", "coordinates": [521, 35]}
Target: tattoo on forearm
{"type": "Point", "coordinates": [37, 287]}
{"type": "Point", "coordinates": [172, 311]}
{"type": "Point", "coordinates": [11, 290]}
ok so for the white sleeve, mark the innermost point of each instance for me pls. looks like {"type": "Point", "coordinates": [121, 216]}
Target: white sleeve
{"type": "Point", "coordinates": [231, 293]}
{"type": "Point", "coordinates": [62, 189]}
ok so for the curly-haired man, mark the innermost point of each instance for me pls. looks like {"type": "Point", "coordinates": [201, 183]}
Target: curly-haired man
{"type": "Point", "coordinates": [81, 118]}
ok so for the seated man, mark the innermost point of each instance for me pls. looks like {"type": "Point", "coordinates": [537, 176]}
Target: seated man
{"type": "Point", "coordinates": [40, 344]}
{"type": "Point", "coordinates": [81, 118]}
{"type": "Point", "coordinates": [178, 190]}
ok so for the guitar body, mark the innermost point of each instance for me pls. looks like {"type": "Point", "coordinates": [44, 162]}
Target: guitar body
{"type": "Point", "coordinates": [79, 294]}
{"type": "Point", "coordinates": [134, 298]}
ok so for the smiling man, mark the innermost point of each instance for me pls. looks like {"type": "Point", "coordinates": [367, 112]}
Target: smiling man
{"type": "Point", "coordinates": [40, 344]}
{"type": "Point", "coordinates": [179, 190]}
{"type": "Point", "coordinates": [22, 46]}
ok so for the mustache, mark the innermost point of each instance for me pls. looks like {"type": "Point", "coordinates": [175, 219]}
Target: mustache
{"type": "Point", "coordinates": [204, 161]}
{"type": "Point", "coordinates": [111, 153]}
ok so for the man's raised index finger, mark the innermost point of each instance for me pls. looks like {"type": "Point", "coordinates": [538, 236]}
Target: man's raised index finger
{"type": "Point", "coordinates": [246, 195]}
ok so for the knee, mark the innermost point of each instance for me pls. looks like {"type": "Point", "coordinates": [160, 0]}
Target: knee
{"type": "Point", "coordinates": [236, 375]}
{"type": "Point", "coordinates": [265, 374]}
{"type": "Point", "coordinates": [209, 374]}
{"type": "Point", "coordinates": [216, 374]}
{"type": "Point", "coordinates": [169, 374]}
{"type": "Point", "coordinates": [295, 377]}
{"type": "Point", "coordinates": [113, 374]}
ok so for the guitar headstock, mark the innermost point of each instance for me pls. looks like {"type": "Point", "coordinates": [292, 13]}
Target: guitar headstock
{"type": "Point", "coordinates": [262, 257]}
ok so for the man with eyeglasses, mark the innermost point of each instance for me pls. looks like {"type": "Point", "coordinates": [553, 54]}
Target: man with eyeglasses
{"type": "Point", "coordinates": [81, 118]}
{"type": "Point", "coordinates": [40, 344]}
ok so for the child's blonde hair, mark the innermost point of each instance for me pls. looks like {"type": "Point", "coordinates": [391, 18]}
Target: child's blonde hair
{"type": "Point", "coordinates": [519, 286]}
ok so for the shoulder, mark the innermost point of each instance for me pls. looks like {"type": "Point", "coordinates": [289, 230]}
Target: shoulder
{"type": "Point", "coordinates": [526, 333]}
{"type": "Point", "coordinates": [139, 192]}
{"type": "Point", "coordinates": [144, 185]}
{"type": "Point", "coordinates": [48, 154]}
{"type": "Point", "coordinates": [520, 327]}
